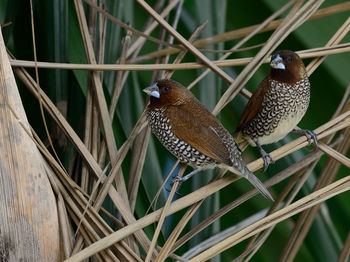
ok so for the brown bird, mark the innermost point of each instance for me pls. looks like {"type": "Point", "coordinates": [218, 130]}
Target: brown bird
{"type": "Point", "coordinates": [277, 105]}
{"type": "Point", "coordinates": [192, 133]}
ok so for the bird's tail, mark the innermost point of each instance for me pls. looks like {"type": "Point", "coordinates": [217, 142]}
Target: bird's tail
{"type": "Point", "coordinates": [241, 144]}
{"type": "Point", "coordinates": [255, 182]}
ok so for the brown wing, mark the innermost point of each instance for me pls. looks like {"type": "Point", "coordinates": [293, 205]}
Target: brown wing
{"type": "Point", "coordinates": [195, 125]}
{"type": "Point", "coordinates": [254, 104]}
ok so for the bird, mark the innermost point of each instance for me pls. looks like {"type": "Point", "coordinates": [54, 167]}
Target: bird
{"type": "Point", "coordinates": [188, 130]}
{"type": "Point", "coordinates": [277, 105]}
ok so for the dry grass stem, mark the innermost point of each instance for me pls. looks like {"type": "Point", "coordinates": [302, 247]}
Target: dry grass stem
{"type": "Point", "coordinates": [244, 40]}
{"type": "Point", "coordinates": [100, 98]}
{"type": "Point", "coordinates": [335, 154]}
{"type": "Point", "coordinates": [141, 40]}
{"type": "Point", "coordinates": [37, 84]}
{"type": "Point", "coordinates": [178, 229]}
{"type": "Point", "coordinates": [127, 27]}
{"type": "Point", "coordinates": [316, 52]}
{"type": "Point", "coordinates": [284, 29]}
{"type": "Point", "coordinates": [93, 165]}
{"type": "Point", "coordinates": [95, 175]}
{"type": "Point", "coordinates": [235, 34]}
{"type": "Point", "coordinates": [162, 217]}
{"type": "Point", "coordinates": [215, 239]}
{"type": "Point", "coordinates": [338, 123]}
{"type": "Point", "coordinates": [184, 42]}
{"type": "Point", "coordinates": [345, 253]}
{"type": "Point", "coordinates": [338, 36]}
{"type": "Point", "coordinates": [283, 175]}
{"type": "Point", "coordinates": [307, 217]}
{"type": "Point", "coordinates": [306, 202]}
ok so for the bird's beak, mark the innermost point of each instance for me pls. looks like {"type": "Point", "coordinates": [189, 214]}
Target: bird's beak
{"type": "Point", "coordinates": [152, 90]}
{"type": "Point", "coordinates": [277, 62]}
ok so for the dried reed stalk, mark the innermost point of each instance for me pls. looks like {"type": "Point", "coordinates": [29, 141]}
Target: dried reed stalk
{"type": "Point", "coordinates": [75, 197]}
{"type": "Point", "coordinates": [320, 51]}
{"type": "Point", "coordinates": [242, 32]}
{"type": "Point", "coordinates": [323, 131]}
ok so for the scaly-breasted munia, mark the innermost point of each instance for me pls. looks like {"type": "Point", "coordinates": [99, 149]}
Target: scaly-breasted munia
{"type": "Point", "coordinates": [277, 105]}
{"type": "Point", "coordinates": [192, 133]}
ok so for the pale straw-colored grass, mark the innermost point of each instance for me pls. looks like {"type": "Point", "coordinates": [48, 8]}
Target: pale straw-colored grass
{"type": "Point", "coordinates": [95, 237]}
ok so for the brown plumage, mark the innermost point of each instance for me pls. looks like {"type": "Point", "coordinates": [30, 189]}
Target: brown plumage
{"type": "Point", "coordinates": [192, 133]}
{"type": "Point", "coordinates": [277, 105]}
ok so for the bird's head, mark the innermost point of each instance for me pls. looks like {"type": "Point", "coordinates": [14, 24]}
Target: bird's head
{"type": "Point", "coordinates": [286, 66]}
{"type": "Point", "coordinates": [165, 92]}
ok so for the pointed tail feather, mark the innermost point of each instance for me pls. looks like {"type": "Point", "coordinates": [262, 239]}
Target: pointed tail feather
{"type": "Point", "coordinates": [259, 185]}
{"type": "Point", "coordinates": [245, 172]}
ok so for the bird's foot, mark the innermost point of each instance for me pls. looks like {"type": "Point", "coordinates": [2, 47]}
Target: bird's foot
{"type": "Point", "coordinates": [309, 135]}
{"type": "Point", "coordinates": [175, 178]}
{"type": "Point", "coordinates": [180, 179]}
{"type": "Point", "coordinates": [267, 159]}
{"type": "Point", "coordinates": [265, 156]}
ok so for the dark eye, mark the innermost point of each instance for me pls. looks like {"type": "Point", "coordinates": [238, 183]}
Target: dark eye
{"type": "Point", "coordinates": [289, 59]}
{"type": "Point", "coordinates": [166, 89]}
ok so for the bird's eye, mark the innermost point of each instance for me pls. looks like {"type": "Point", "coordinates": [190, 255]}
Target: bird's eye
{"type": "Point", "coordinates": [166, 89]}
{"type": "Point", "coordinates": [289, 59]}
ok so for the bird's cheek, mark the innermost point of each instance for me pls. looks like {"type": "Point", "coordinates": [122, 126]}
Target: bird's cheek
{"type": "Point", "coordinates": [280, 66]}
{"type": "Point", "coordinates": [155, 94]}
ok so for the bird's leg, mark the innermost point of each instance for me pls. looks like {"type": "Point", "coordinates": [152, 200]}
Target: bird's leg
{"type": "Point", "coordinates": [180, 179]}
{"type": "Point", "coordinates": [309, 134]}
{"type": "Point", "coordinates": [265, 156]}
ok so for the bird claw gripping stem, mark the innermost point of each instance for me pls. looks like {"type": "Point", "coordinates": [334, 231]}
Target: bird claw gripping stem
{"type": "Point", "coordinates": [177, 178]}
{"type": "Point", "coordinates": [309, 135]}
{"type": "Point", "coordinates": [180, 179]}
{"type": "Point", "coordinates": [265, 156]}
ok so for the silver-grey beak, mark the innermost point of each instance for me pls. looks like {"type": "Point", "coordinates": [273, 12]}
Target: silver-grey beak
{"type": "Point", "coordinates": [277, 62]}
{"type": "Point", "coordinates": [152, 90]}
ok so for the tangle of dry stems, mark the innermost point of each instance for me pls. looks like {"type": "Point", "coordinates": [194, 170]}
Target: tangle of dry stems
{"type": "Point", "coordinates": [73, 199]}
